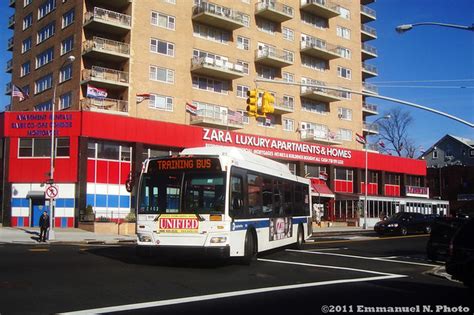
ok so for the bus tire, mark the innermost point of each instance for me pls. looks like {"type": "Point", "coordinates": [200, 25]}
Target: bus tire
{"type": "Point", "coordinates": [251, 248]}
{"type": "Point", "coordinates": [299, 237]}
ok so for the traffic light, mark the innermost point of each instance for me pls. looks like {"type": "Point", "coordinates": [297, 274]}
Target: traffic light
{"type": "Point", "coordinates": [268, 103]}
{"type": "Point", "coordinates": [252, 100]}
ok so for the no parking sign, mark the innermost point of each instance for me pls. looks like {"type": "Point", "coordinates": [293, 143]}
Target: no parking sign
{"type": "Point", "coordinates": [52, 191]}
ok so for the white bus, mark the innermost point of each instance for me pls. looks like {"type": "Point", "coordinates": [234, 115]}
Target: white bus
{"type": "Point", "coordinates": [221, 200]}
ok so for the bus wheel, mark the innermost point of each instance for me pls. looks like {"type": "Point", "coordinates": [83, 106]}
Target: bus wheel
{"type": "Point", "coordinates": [251, 249]}
{"type": "Point", "coordinates": [299, 238]}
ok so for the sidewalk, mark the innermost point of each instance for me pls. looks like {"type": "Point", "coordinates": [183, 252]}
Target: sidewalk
{"type": "Point", "coordinates": [62, 236]}
{"type": "Point", "coordinates": [342, 230]}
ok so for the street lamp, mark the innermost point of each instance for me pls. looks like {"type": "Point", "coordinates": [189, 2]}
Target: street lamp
{"type": "Point", "coordinates": [406, 27]}
{"type": "Point", "coordinates": [51, 235]}
{"type": "Point", "coordinates": [366, 184]}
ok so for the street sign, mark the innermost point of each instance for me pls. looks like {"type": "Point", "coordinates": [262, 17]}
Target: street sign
{"type": "Point", "coordinates": [51, 191]}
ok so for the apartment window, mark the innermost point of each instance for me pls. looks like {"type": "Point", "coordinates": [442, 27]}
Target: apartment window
{"type": "Point", "coordinates": [344, 52]}
{"type": "Point", "coordinates": [268, 121]}
{"type": "Point", "coordinates": [26, 89]}
{"type": "Point", "coordinates": [211, 85]}
{"type": "Point", "coordinates": [65, 100]}
{"type": "Point", "coordinates": [314, 63]}
{"type": "Point", "coordinates": [289, 55]}
{"type": "Point", "coordinates": [245, 116]}
{"type": "Point", "coordinates": [43, 107]}
{"type": "Point", "coordinates": [245, 66]}
{"type": "Point", "coordinates": [243, 43]}
{"type": "Point", "coordinates": [266, 26]}
{"type": "Point", "coordinates": [345, 94]}
{"type": "Point", "coordinates": [343, 174]}
{"type": "Point", "coordinates": [211, 33]}
{"type": "Point", "coordinates": [344, 13]}
{"type": "Point", "coordinates": [266, 72]}
{"type": "Point", "coordinates": [45, 57]}
{"type": "Point", "coordinates": [343, 32]}
{"type": "Point", "coordinates": [344, 134]}
{"type": "Point", "coordinates": [41, 147]}
{"type": "Point", "coordinates": [27, 3]}
{"type": "Point", "coordinates": [26, 45]}
{"type": "Point", "coordinates": [65, 73]}
{"type": "Point", "coordinates": [314, 21]}
{"type": "Point", "coordinates": [67, 45]}
{"type": "Point", "coordinates": [161, 74]}
{"type": "Point", "coordinates": [242, 91]}
{"type": "Point", "coordinates": [314, 107]}
{"type": "Point", "coordinates": [68, 18]}
{"type": "Point", "coordinates": [288, 77]}
{"type": "Point", "coordinates": [161, 47]}
{"type": "Point", "coordinates": [163, 20]}
{"type": "Point", "coordinates": [170, 1]}
{"type": "Point", "coordinates": [45, 32]}
{"type": "Point", "coordinates": [288, 33]}
{"type": "Point", "coordinates": [161, 102]}
{"type": "Point", "coordinates": [344, 73]}
{"type": "Point", "coordinates": [25, 69]}
{"type": "Point", "coordinates": [44, 83]}
{"type": "Point", "coordinates": [316, 130]}
{"type": "Point", "coordinates": [289, 101]}
{"type": "Point", "coordinates": [288, 124]}
{"type": "Point", "coordinates": [45, 8]}
{"type": "Point", "coordinates": [435, 154]}
{"type": "Point", "coordinates": [27, 21]}
{"type": "Point", "coordinates": [344, 113]}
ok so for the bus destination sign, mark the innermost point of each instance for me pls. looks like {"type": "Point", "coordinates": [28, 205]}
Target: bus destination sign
{"type": "Point", "coordinates": [178, 164]}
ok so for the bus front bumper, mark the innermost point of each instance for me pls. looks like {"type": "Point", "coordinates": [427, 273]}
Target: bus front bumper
{"type": "Point", "coordinates": [171, 251]}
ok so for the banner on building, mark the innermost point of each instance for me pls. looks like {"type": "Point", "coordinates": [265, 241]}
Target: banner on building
{"type": "Point", "coordinates": [95, 92]}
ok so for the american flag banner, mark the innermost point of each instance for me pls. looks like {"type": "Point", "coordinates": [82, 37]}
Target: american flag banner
{"type": "Point", "coordinates": [17, 92]}
{"type": "Point", "coordinates": [360, 139]}
{"type": "Point", "coordinates": [190, 108]}
{"type": "Point", "coordinates": [381, 144]}
{"type": "Point", "coordinates": [143, 96]}
{"type": "Point", "coordinates": [323, 176]}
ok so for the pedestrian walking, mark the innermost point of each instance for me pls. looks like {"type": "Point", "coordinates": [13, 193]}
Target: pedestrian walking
{"type": "Point", "coordinates": [44, 226]}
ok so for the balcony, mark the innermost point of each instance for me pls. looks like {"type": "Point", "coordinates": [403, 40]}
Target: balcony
{"type": "Point", "coordinates": [367, 14]}
{"type": "Point", "coordinates": [370, 128]}
{"type": "Point", "coordinates": [274, 57]}
{"type": "Point", "coordinates": [319, 136]}
{"type": "Point", "coordinates": [11, 22]}
{"type": "Point", "coordinates": [319, 48]}
{"type": "Point", "coordinates": [101, 20]}
{"type": "Point", "coordinates": [12, 3]}
{"type": "Point", "coordinates": [274, 11]}
{"type": "Point", "coordinates": [369, 109]}
{"type": "Point", "coordinates": [319, 94]}
{"type": "Point", "coordinates": [9, 66]}
{"type": "Point", "coordinates": [367, 33]}
{"type": "Point", "coordinates": [368, 71]}
{"type": "Point", "coordinates": [107, 105]}
{"type": "Point", "coordinates": [115, 4]}
{"type": "Point", "coordinates": [369, 88]}
{"type": "Point", "coordinates": [10, 44]}
{"type": "Point", "coordinates": [283, 106]}
{"type": "Point", "coordinates": [106, 49]}
{"type": "Point", "coordinates": [216, 68]}
{"type": "Point", "coordinates": [322, 8]}
{"type": "Point", "coordinates": [218, 16]}
{"type": "Point", "coordinates": [8, 88]}
{"type": "Point", "coordinates": [209, 117]}
{"type": "Point", "coordinates": [105, 78]}
{"type": "Point", "coordinates": [368, 51]}
{"type": "Point", "coordinates": [365, 2]}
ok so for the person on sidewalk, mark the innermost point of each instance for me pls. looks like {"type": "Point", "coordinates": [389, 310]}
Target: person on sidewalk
{"type": "Point", "coordinates": [44, 226]}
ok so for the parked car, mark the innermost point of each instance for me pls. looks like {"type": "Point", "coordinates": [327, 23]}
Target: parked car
{"type": "Point", "coordinates": [403, 223]}
{"type": "Point", "coordinates": [442, 231]}
{"type": "Point", "coordinates": [460, 263]}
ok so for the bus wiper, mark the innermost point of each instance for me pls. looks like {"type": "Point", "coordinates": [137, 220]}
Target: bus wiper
{"type": "Point", "coordinates": [198, 216]}
{"type": "Point", "coordinates": [157, 217]}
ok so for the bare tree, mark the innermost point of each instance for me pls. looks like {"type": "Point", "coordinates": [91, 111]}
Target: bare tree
{"type": "Point", "coordinates": [394, 133]}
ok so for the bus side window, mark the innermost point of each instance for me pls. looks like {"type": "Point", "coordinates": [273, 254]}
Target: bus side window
{"type": "Point", "coordinates": [236, 197]}
{"type": "Point", "coordinates": [254, 187]}
{"type": "Point", "coordinates": [267, 197]}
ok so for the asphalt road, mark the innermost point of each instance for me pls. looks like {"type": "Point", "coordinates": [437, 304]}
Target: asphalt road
{"type": "Point", "coordinates": [331, 274]}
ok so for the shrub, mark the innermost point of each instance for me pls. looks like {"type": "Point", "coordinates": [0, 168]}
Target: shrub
{"type": "Point", "coordinates": [131, 217]}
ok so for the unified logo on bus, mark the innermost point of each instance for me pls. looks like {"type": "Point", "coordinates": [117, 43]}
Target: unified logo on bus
{"type": "Point", "coordinates": [178, 223]}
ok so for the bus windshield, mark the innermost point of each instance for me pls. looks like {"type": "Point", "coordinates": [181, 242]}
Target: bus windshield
{"type": "Point", "coordinates": [182, 192]}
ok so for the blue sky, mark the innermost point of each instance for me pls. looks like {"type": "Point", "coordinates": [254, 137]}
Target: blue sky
{"type": "Point", "coordinates": [424, 54]}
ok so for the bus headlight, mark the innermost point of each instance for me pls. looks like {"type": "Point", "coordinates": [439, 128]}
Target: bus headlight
{"type": "Point", "coordinates": [218, 239]}
{"type": "Point", "coordinates": [144, 238]}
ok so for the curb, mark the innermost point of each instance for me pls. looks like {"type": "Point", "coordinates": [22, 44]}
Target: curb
{"type": "Point", "coordinates": [343, 233]}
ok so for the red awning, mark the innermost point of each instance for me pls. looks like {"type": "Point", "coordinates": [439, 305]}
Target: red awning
{"type": "Point", "coordinates": [319, 188]}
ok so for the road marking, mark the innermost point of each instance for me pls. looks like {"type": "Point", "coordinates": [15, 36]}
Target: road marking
{"type": "Point", "coordinates": [191, 299]}
{"type": "Point", "coordinates": [362, 257]}
{"type": "Point", "coordinates": [38, 250]}
{"type": "Point", "coordinates": [323, 249]}
{"type": "Point", "coordinates": [369, 239]}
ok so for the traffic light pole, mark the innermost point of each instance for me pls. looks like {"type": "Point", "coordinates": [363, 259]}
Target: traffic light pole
{"type": "Point", "coordinates": [391, 99]}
